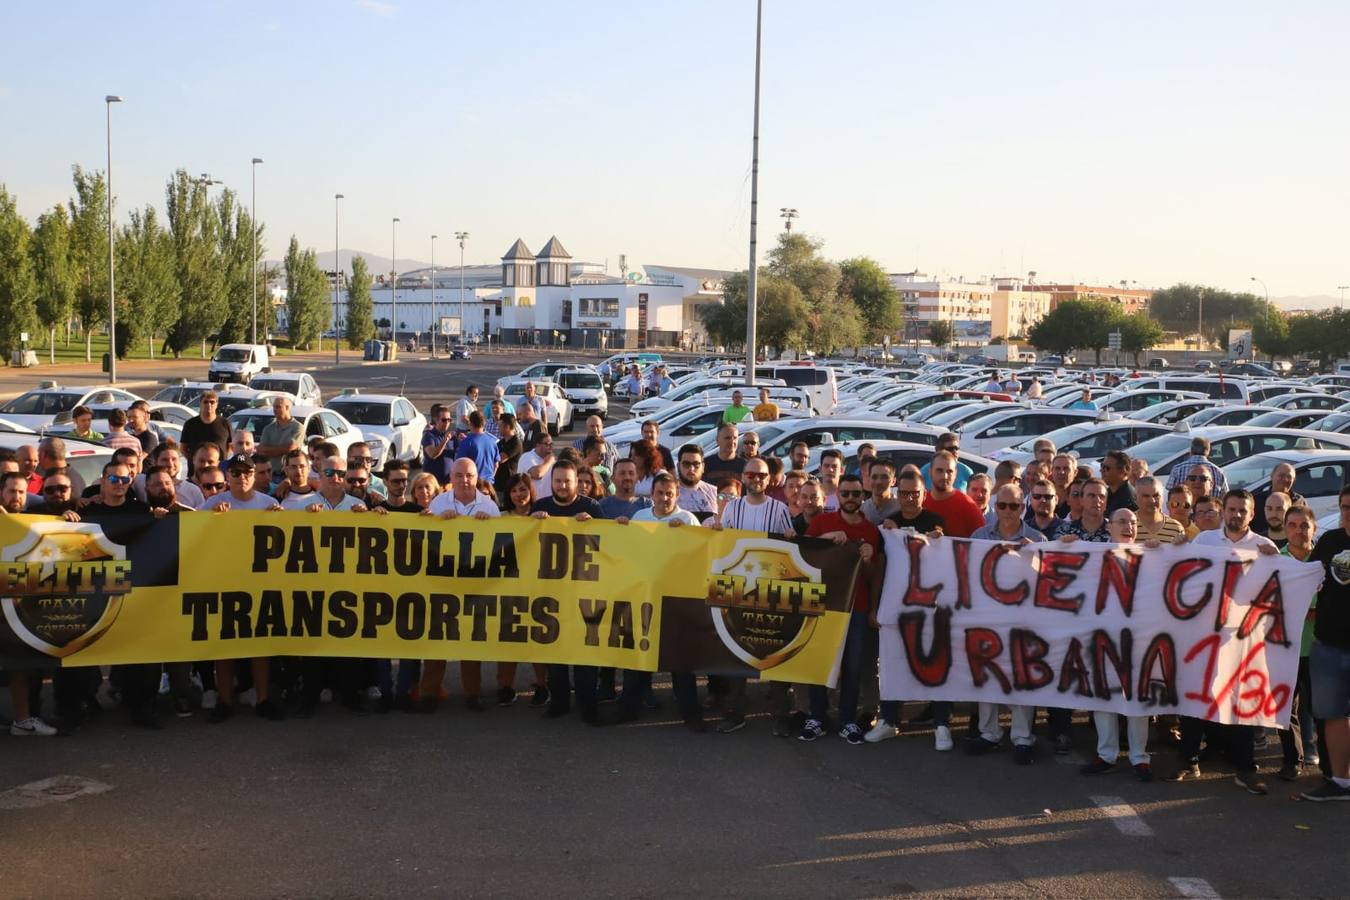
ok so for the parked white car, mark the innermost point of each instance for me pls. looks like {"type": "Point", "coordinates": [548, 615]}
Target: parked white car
{"type": "Point", "coordinates": [390, 418]}
{"type": "Point", "coordinates": [1012, 425]}
{"type": "Point", "coordinates": [585, 390]}
{"type": "Point", "coordinates": [50, 403]}
{"type": "Point", "coordinates": [1319, 475]}
{"type": "Point", "coordinates": [300, 385]}
{"type": "Point", "coordinates": [320, 424]}
{"type": "Point", "coordinates": [558, 412]}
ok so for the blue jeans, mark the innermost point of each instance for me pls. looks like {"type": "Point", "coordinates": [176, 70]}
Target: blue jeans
{"type": "Point", "coordinates": [409, 671]}
{"type": "Point", "coordinates": [1329, 669]}
{"type": "Point", "coordinates": [850, 674]}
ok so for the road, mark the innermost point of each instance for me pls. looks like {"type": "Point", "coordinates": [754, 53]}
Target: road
{"type": "Point", "coordinates": [504, 803]}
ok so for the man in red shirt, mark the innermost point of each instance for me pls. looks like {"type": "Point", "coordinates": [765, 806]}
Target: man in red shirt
{"type": "Point", "coordinates": [844, 525]}
{"type": "Point", "coordinates": [960, 513]}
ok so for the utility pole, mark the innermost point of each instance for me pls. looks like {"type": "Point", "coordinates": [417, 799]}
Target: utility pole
{"type": "Point", "coordinates": [752, 286]}
{"type": "Point", "coordinates": [108, 101]}
{"type": "Point", "coordinates": [337, 279]}
{"type": "Point", "coordinates": [393, 284]}
{"type": "Point", "coordinates": [254, 218]}
{"type": "Point", "coordinates": [462, 236]}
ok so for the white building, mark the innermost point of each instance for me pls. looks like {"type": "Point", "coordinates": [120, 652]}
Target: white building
{"type": "Point", "coordinates": [550, 299]}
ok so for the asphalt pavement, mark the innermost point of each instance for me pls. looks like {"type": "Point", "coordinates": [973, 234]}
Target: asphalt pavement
{"type": "Point", "coordinates": [506, 803]}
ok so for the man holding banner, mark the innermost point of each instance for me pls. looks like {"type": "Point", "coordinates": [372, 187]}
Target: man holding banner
{"type": "Point", "coordinates": [1235, 534]}
{"type": "Point", "coordinates": [1329, 659]}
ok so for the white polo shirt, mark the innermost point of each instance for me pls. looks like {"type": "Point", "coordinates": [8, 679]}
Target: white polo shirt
{"type": "Point", "coordinates": [446, 501]}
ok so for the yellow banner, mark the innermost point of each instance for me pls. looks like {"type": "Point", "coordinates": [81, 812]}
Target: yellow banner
{"type": "Point", "coordinates": [203, 586]}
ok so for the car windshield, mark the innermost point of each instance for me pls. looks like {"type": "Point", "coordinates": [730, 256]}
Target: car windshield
{"type": "Point", "coordinates": [1247, 472]}
{"type": "Point", "coordinates": [361, 412]}
{"type": "Point", "coordinates": [1271, 419]}
{"type": "Point", "coordinates": [42, 403]}
{"type": "Point", "coordinates": [233, 354]}
{"type": "Point", "coordinates": [230, 404]}
{"type": "Point", "coordinates": [249, 422]}
{"type": "Point", "coordinates": [1157, 451]}
{"type": "Point", "coordinates": [275, 384]}
{"type": "Point", "coordinates": [1333, 422]}
{"type": "Point", "coordinates": [585, 380]}
{"type": "Point", "coordinates": [1059, 437]}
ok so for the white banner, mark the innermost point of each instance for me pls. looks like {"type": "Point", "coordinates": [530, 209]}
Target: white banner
{"type": "Point", "coordinates": [1198, 631]}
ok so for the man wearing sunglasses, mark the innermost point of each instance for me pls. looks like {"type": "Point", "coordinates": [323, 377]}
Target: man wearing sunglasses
{"type": "Point", "coordinates": [438, 444]}
{"type": "Point", "coordinates": [334, 482]}
{"type": "Point", "coordinates": [207, 427]}
{"type": "Point", "coordinates": [57, 498]}
{"type": "Point", "coordinates": [1009, 528]}
{"type": "Point", "coordinates": [1199, 458]}
{"type": "Point", "coordinates": [844, 526]}
{"type": "Point", "coordinates": [396, 479]}
{"type": "Point", "coordinates": [359, 457]}
{"type": "Point", "coordinates": [1042, 516]}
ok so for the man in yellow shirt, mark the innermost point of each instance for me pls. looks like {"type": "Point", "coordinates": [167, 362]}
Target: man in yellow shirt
{"type": "Point", "coordinates": [766, 410]}
{"type": "Point", "coordinates": [1153, 524]}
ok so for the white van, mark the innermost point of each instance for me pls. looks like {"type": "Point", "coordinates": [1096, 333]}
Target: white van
{"type": "Point", "coordinates": [1225, 390]}
{"type": "Point", "coordinates": [238, 363]}
{"type": "Point", "coordinates": [817, 381]}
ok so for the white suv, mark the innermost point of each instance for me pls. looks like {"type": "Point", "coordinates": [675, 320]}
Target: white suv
{"type": "Point", "coordinates": [585, 389]}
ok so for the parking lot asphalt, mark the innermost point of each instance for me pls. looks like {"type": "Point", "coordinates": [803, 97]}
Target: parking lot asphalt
{"type": "Point", "coordinates": [504, 803]}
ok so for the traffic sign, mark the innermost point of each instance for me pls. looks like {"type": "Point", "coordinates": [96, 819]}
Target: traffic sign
{"type": "Point", "coordinates": [1113, 340]}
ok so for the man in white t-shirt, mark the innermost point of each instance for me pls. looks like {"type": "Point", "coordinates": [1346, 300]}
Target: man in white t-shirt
{"type": "Point", "coordinates": [538, 464]}
{"type": "Point", "coordinates": [332, 493]}
{"type": "Point", "coordinates": [239, 492]}
{"type": "Point", "coordinates": [464, 498]}
{"type": "Point", "coordinates": [663, 508]}
{"type": "Point", "coordinates": [1236, 533]}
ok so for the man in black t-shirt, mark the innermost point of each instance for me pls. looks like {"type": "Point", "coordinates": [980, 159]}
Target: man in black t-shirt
{"type": "Point", "coordinates": [726, 461]}
{"type": "Point", "coordinates": [565, 502]}
{"type": "Point", "coordinates": [207, 428]}
{"type": "Point", "coordinates": [1329, 658]}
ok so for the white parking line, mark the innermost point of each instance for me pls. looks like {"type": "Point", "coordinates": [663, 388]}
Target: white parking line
{"type": "Point", "coordinates": [1193, 887]}
{"type": "Point", "coordinates": [1123, 816]}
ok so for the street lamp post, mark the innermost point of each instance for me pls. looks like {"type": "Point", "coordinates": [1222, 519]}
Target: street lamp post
{"type": "Point", "coordinates": [254, 218]}
{"type": "Point", "coordinates": [108, 101]}
{"type": "Point", "coordinates": [1263, 287]}
{"type": "Point", "coordinates": [462, 236]}
{"type": "Point", "coordinates": [1342, 288]}
{"type": "Point", "coordinates": [752, 285]}
{"type": "Point", "coordinates": [393, 284]}
{"type": "Point", "coordinates": [433, 297]}
{"type": "Point", "coordinates": [206, 181]}
{"type": "Point", "coordinates": [337, 278]}
{"type": "Point", "coordinates": [787, 214]}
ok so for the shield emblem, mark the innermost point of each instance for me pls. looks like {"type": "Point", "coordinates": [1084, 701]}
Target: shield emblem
{"type": "Point", "coordinates": [760, 631]}
{"type": "Point", "coordinates": [66, 598]}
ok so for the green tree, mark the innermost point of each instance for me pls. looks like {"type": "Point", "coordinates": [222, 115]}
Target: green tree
{"type": "Point", "coordinates": [54, 272]}
{"type": "Point", "coordinates": [307, 311]}
{"type": "Point", "coordinates": [1138, 333]}
{"type": "Point", "coordinates": [1179, 309]}
{"type": "Point", "coordinates": [360, 323]}
{"type": "Point", "coordinates": [941, 333]}
{"type": "Point", "coordinates": [18, 287]}
{"type": "Point", "coordinates": [797, 259]}
{"type": "Point", "coordinates": [780, 312]}
{"type": "Point", "coordinates": [237, 236]}
{"type": "Point", "coordinates": [1270, 331]}
{"type": "Point", "coordinates": [199, 264]}
{"type": "Point", "coordinates": [89, 252]}
{"type": "Point", "coordinates": [1325, 334]}
{"type": "Point", "coordinates": [1077, 324]}
{"type": "Point", "coordinates": [147, 281]}
{"type": "Point", "coordinates": [865, 282]}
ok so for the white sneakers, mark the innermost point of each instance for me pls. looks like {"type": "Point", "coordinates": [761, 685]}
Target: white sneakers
{"type": "Point", "coordinates": [31, 727]}
{"type": "Point", "coordinates": [942, 738]}
{"type": "Point", "coordinates": [882, 731]}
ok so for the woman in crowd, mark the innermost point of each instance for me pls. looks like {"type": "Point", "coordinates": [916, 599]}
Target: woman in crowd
{"type": "Point", "coordinates": [648, 459]}
{"type": "Point", "coordinates": [519, 498]}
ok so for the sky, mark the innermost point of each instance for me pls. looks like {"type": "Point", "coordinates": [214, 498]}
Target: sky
{"type": "Point", "coordinates": [1148, 142]}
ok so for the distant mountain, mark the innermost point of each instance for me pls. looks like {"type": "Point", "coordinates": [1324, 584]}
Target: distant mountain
{"type": "Point", "coordinates": [377, 263]}
{"type": "Point", "coordinates": [1311, 301]}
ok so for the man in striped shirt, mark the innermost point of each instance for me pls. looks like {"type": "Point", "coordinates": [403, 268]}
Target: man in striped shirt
{"type": "Point", "coordinates": [1153, 524]}
{"type": "Point", "coordinates": [118, 437]}
{"type": "Point", "coordinates": [755, 510]}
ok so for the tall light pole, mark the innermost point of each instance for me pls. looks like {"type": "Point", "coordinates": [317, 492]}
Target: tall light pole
{"type": "Point", "coordinates": [752, 286]}
{"type": "Point", "coordinates": [108, 101]}
{"type": "Point", "coordinates": [206, 182]}
{"type": "Point", "coordinates": [393, 285]}
{"type": "Point", "coordinates": [254, 218]}
{"type": "Point", "coordinates": [1342, 288]}
{"type": "Point", "coordinates": [1200, 319]}
{"type": "Point", "coordinates": [462, 236]}
{"type": "Point", "coordinates": [787, 214]}
{"type": "Point", "coordinates": [434, 323]}
{"type": "Point", "coordinates": [337, 278]}
{"type": "Point", "coordinates": [1263, 287]}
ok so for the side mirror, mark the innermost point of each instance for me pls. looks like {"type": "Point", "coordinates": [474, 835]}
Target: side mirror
{"type": "Point", "coordinates": [399, 423]}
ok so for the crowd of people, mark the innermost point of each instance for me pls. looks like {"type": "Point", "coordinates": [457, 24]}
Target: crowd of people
{"type": "Point", "coordinates": [490, 459]}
